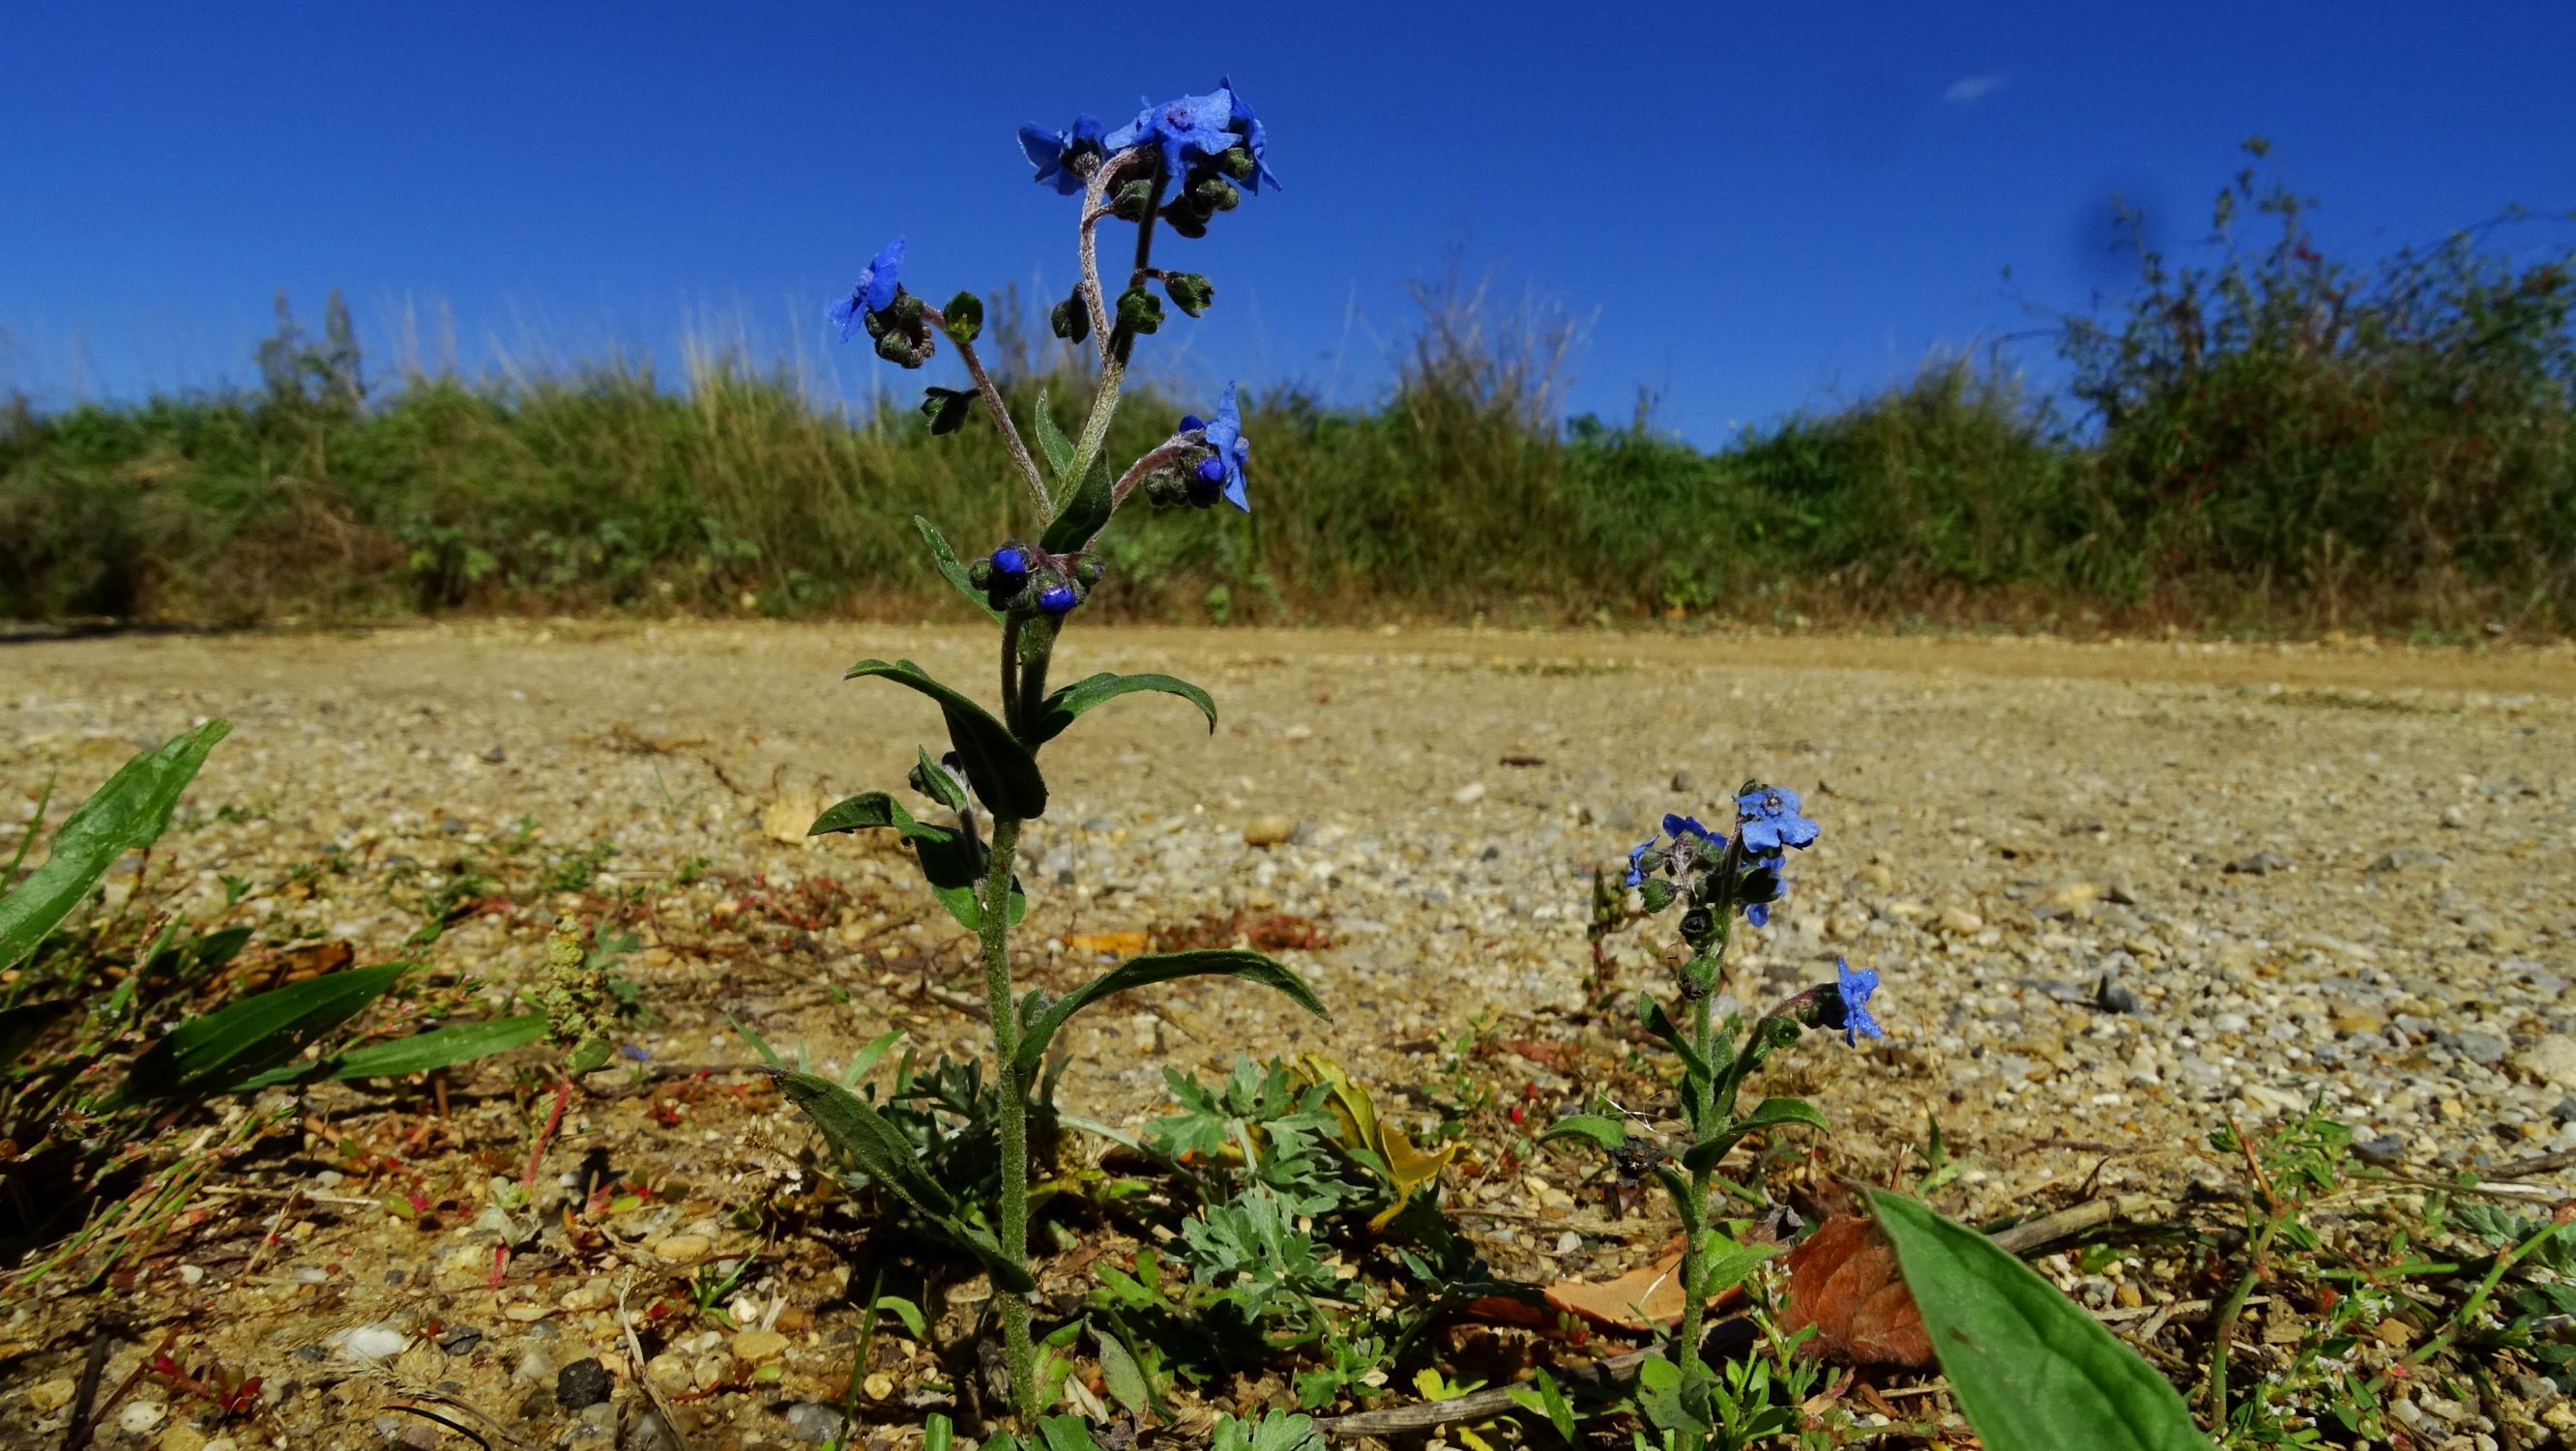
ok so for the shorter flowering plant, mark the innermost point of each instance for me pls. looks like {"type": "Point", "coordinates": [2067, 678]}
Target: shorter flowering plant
{"type": "Point", "coordinates": [1717, 878]}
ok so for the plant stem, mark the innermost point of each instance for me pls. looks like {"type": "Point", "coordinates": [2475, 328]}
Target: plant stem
{"type": "Point", "coordinates": [1013, 1231]}
{"type": "Point", "coordinates": [1114, 344]}
{"type": "Point", "coordinates": [1001, 419]}
{"type": "Point", "coordinates": [1694, 1255]}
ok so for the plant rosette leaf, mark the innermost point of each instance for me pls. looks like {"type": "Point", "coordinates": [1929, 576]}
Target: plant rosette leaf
{"type": "Point", "coordinates": [131, 810]}
{"type": "Point", "coordinates": [419, 1053]}
{"type": "Point", "coordinates": [1060, 709]}
{"type": "Point", "coordinates": [1599, 1130]}
{"type": "Point", "coordinates": [952, 864]}
{"type": "Point", "coordinates": [852, 1125]}
{"type": "Point", "coordinates": [1163, 967]}
{"type": "Point", "coordinates": [998, 767]}
{"type": "Point", "coordinates": [2031, 1370]}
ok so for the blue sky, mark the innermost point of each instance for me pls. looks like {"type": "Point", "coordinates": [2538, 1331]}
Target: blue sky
{"type": "Point", "coordinates": [1751, 209]}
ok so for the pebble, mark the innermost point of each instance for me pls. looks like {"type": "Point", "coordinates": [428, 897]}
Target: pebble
{"type": "Point", "coordinates": [751, 1347]}
{"type": "Point", "coordinates": [681, 1249]}
{"type": "Point", "coordinates": [47, 1397]}
{"type": "Point", "coordinates": [1268, 831]}
{"type": "Point", "coordinates": [2551, 1059]}
{"type": "Point", "coordinates": [582, 1383]}
{"type": "Point", "coordinates": [815, 1422]}
{"type": "Point", "coordinates": [181, 1437]}
{"type": "Point", "coordinates": [141, 1418]}
{"type": "Point", "coordinates": [369, 1342]}
{"type": "Point", "coordinates": [1469, 794]}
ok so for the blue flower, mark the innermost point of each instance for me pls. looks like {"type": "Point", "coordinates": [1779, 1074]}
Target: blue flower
{"type": "Point", "coordinates": [873, 292]}
{"type": "Point", "coordinates": [1636, 861]}
{"type": "Point", "coordinates": [1243, 123]}
{"type": "Point", "coordinates": [1010, 559]}
{"type": "Point", "coordinates": [1681, 827]}
{"type": "Point", "coordinates": [1054, 153]}
{"type": "Point", "coordinates": [1058, 598]}
{"type": "Point", "coordinates": [1758, 913]}
{"type": "Point", "coordinates": [1849, 1009]}
{"type": "Point", "coordinates": [1191, 127]}
{"type": "Point", "coordinates": [1769, 820]}
{"type": "Point", "coordinates": [1224, 468]}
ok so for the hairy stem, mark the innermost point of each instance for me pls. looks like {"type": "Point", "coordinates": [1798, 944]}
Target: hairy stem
{"type": "Point", "coordinates": [1013, 1231]}
{"type": "Point", "coordinates": [1001, 419]}
{"type": "Point", "coordinates": [1115, 343]}
{"type": "Point", "coordinates": [1694, 1255]}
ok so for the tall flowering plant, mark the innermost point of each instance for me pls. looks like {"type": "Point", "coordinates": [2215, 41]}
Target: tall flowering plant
{"type": "Point", "coordinates": [1717, 880]}
{"type": "Point", "coordinates": [1175, 168]}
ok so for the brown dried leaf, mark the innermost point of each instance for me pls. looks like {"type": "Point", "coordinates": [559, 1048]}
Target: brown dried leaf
{"type": "Point", "coordinates": [1843, 1280]}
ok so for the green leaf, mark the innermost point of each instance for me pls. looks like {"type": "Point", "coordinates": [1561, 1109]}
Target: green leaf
{"type": "Point", "coordinates": [1000, 769]}
{"type": "Point", "coordinates": [1051, 440]}
{"type": "Point", "coordinates": [438, 1048]}
{"type": "Point", "coordinates": [1058, 710]}
{"type": "Point", "coordinates": [1729, 1262]}
{"type": "Point", "coordinates": [933, 780]}
{"type": "Point", "coordinates": [1121, 1375]}
{"type": "Point", "coordinates": [1770, 1113]}
{"type": "Point", "coordinates": [938, 1433]}
{"type": "Point", "coordinates": [1599, 1130]}
{"type": "Point", "coordinates": [914, 1323]}
{"type": "Point", "coordinates": [2030, 1368]}
{"type": "Point", "coordinates": [130, 811]}
{"type": "Point", "coordinates": [953, 865]}
{"type": "Point", "coordinates": [1066, 1433]}
{"type": "Point", "coordinates": [226, 1048]}
{"type": "Point", "coordinates": [963, 317]}
{"type": "Point", "coordinates": [946, 408]}
{"type": "Point", "coordinates": [1162, 967]}
{"type": "Point", "coordinates": [853, 1126]}
{"type": "Point", "coordinates": [1086, 513]}
{"type": "Point", "coordinates": [944, 560]}
{"type": "Point", "coordinates": [869, 1056]}
{"type": "Point", "coordinates": [1542, 1397]}
{"type": "Point", "coordinates": [1660, 1023]}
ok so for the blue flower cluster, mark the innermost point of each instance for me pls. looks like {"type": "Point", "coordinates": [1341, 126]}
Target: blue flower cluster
{"type": "Point", "coordinates": [1713, 876]}
{"type": "Point", "coordinates": [1017, 577]}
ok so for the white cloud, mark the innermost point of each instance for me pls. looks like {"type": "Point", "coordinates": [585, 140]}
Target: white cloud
{"type": "Point", "coordinates": [1969, 91]}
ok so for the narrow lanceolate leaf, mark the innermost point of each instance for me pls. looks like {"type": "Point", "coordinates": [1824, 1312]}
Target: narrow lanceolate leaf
{"type": "Point", "coordinates": [130, 811]}
{"type": "Point", "coordinates": [1060, 709]}
{"type": "Point", "coordinates": [2032, 1371]}
{"type": "Point", "coordinates": [1163, 967]}
{"type": "Point", "coordinates": [1000, 769]}
{"type": "Point", "coordinates": [944, 560]}
{"type": "Point", "coordinates": [1770, 1113]}
{"type": "Point", "coordinates": [1085, 513]}
{"type": "Point", "coordinates": [1599, 1130]}
{"type": "Point", "coordinates": [1052, 442]}
{"type": "Point", "coordinates": [438, 1048]}
{"type": "Point", "coordinates": [224, 1049]}
{"type": "Point", "coordinates": [853, 1126]}
{"type": "Point", "coordinates": [950, 863]}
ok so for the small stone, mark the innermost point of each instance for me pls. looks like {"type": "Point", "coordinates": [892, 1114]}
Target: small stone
{"type": "Point", "coordinates": [581, 1384]}
{"type": "Point", "coordinates": [370, 1342]}
{"type": "Point", "coordinates": [1684, 782]}
{"type": "Point", "coordinates": [751, 1347]}
{"type": "Point", "coordinates": [669, 1371]}
{"type": "Point", "coordinates": [1469, 794]}
{"type": "Point", "coordinates": [2484, 1049]}
{"type": "Point", "coordinates": [2551, 1059]}
{"type": "Point", "coordinates": [141, 1418]}
{"type": "Point", "coordinates": [681, 1249]}
{"type": "Point", "coordinates": [2384, 1151]}
{"type": "Point", "coordinates": [2114, 996]}
{"type": "Point", "coordinates": [2261, 864]}
{"type": "Point", "coordinates": [459, 1339]}
{"type": "Point", "coordinates": [1268, 831]}
{"type": "Point", "coordinates": [2271, 1100]}
{"type": "Point", "coordinates": [815, 1422]}
{"type": "Point", "coordinates": [2565, 1112]}
{"type": "Point", "coordinates": [1961, 921]}
{"type": "Point", "coordinates": [50, 1396]}
{"type": "Point", "coordinates": [181, 1437]}
{"type": "Point", "coordinates": [495, 756]}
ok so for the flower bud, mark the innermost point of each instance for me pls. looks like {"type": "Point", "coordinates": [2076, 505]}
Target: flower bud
{"type": "Point", "coordinates": [1058, 599]}
{"type": "Point", "coordinates": [1070, 320]}
{"type": "Point", "coordinates": [1237, 164]}
{"type": "Point", "coordinates": [1139, 311]}
{"type": "Point", "coordinates": [1011, 560]}
{"type": "Point", "coordinates": [1216, 194]}
{"type": "Point", "coordinates": [1189, 291]}
{"type": "Point", "coordinates": [1088, 570]}
{"type": "Point", "coordinates": [963, 317]}
{"type": "Point", "coordinates": [1132, 199]}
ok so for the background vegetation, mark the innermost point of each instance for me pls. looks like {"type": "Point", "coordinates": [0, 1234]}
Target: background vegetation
{"type": "Point", "coordinates": [2263, 438]}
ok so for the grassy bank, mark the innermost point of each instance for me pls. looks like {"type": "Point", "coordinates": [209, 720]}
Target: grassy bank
{"type": "Point", "coordinates": [2267, 439]}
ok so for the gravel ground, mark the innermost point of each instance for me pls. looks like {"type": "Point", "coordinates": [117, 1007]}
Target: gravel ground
{"type": "Point", "coordinates": [2116, 891]}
